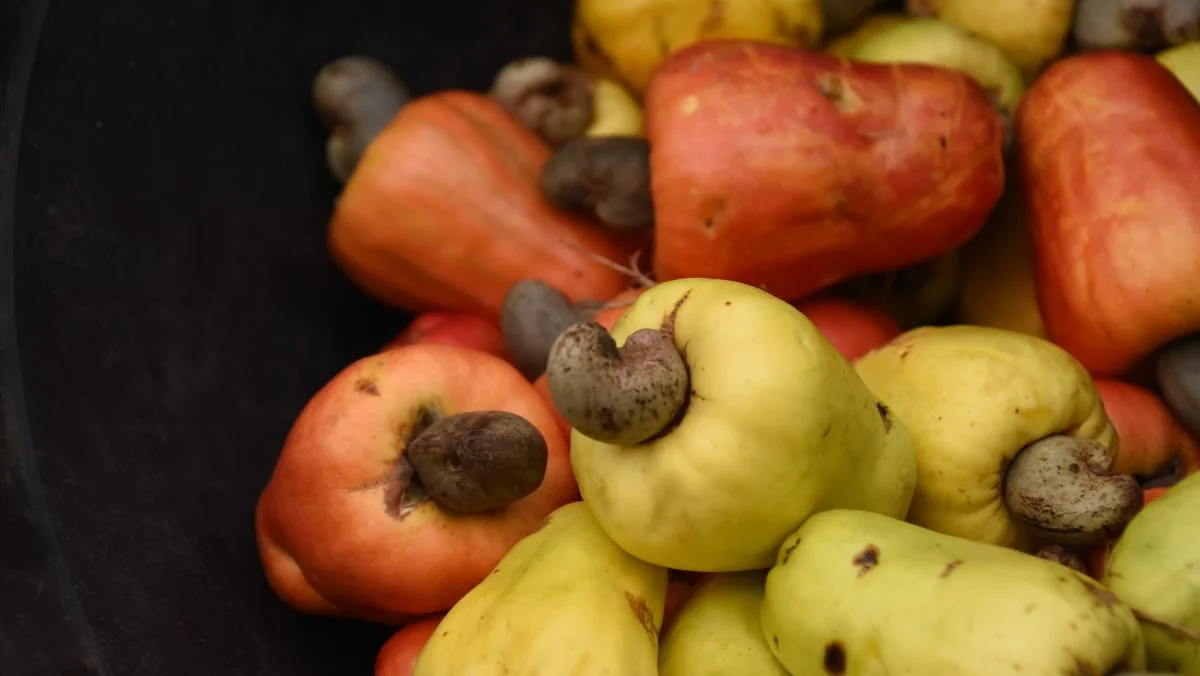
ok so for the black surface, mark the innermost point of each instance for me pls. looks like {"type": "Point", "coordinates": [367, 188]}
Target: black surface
{"type": "Point", "coordinates": [167, 307]}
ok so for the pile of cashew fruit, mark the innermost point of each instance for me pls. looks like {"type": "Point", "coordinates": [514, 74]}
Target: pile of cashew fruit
{"type": "Point", "coordinates": [764, 338]}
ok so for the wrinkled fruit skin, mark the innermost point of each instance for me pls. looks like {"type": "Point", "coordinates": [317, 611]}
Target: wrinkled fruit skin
{"type": "Point", "coordinates": [329, 536]}
{"type": "Point", "coordinates": [854, 328]}
{"type": "Point", "coordinates": [453, 328]}
{"type": "Point", "coordinates": [860, 593]}
{"type": "Point", "coordinates": [1115, 225]}
{"type": "Point", "coordinates": [777, 427]}
{"type": "Point", "coordinates": [1155, 568]}
{"type": "Point", "coordinates": [973, 397]}
{"type": "Point", "coordinates": [565, 600]}
{"type": "Point", "coordinates": [885, 165]}
{"type": "Point", "coordinates": [399, 654]}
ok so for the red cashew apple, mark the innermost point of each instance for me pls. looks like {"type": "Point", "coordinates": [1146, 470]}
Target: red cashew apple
{"type": "Point", "coordinates": [792, 169]}
{"type": "Point", "coordinates": [405, 480]}
{"type": "Point", "coordinates": [1108, 145]}
{"type": "Point", "coordinates": [399, 653]}
{"type": "Point", "coordinates": [453, 328]}
{"type": "Point", "coordinates": [854, 328]}
{"type": "Point", "coordinates": [1153, 444]}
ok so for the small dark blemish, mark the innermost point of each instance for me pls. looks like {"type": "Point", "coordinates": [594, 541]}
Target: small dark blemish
{"type": "Point", "coordinates": [835, 658]}
{"type": "Point", "coordinates": [904, 353]}
{"type": "Point", "coordinates": [787, 553]}
{"type": "Point", "coordinates": [367, 386]}
{"type": "Point", "coordinates": [828, 429]}
{"type": "Point", "coordinates": [728, 302]}
{"type": "Point", "coordinates": [883, 414]}
{"type": "Point", "coordinates": [867, 559]}
{"type": "Point", "coordinates": [776, 641]}
{"type": "Point", "coordinates": [942, 142]}
{"type": "Point", "coordinates": [950, 568]}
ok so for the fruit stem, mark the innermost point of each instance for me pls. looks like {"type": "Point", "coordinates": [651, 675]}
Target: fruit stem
{"type": "Point", "coordinates": [624, 395]}
{"type": "Point", "coordinates": [1064, 488]}
{"type": "Point", "coordinates": [478, 461]}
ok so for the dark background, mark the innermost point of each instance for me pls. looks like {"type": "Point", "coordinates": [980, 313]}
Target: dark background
{"type": "Point", "coordinates": [167, 307]}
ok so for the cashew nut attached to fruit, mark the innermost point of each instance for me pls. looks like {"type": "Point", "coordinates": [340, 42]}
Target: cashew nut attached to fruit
{"type": "Point", "coordinates": [1062, 486]}
{"type": "Point", "coordinates": [1135, 24]}
{"type": "Point", "coordinates": [355, 97]}
{"type": "Point", "coordinates": [533, 315]}
{"type": "Point", "coordinates": [1178, 370]}
{"type": "Point", "coordinates": [552, 99]}
{"type": "Point", "coordinates": [478, 461]}
{"type": "Point", "coordinates": [607, 177]}
{"type": "Point", "coordinates": [618, 395]}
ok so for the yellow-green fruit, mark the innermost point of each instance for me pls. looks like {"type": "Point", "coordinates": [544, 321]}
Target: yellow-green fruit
{"type": "Point", "coordinates": [564, 600]}
{"type": "Point", "coordinates": [998, 286]}
{"type": "Point", "coordinates": [861, 594]}
{"type": "Point", "coordinates": [1031, 33]}
{"type": "Point", "coordinates": [626, 39]}
{"type": "Point", "coordinates": [844, 45]}
{"type": "Point", "coordinates": [718, 631]}
{"type": "Point", "coordinates": [616, 112]}
{"type": "Point", "coordinates": [777, 426]}
{"type": "Point", "coordinates": [1155, 568]}
{"type": "Point", "coordinates": [938, 43]}
{"type": "Point", "coordinates": [973, 397]}
{"type": "Point", "coordinates": [1184, 62]}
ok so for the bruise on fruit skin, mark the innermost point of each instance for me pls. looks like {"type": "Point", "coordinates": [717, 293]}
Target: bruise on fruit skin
{"type": "Point", "coordinates": [834, 660]}
{"type": "Point", "coordinates": [787, 553]}
{"type": "Point", "coordinates": [867, 559]}
{"type": "Point", "coordinates": [643, 615]}
{"type": "Point", "coordinates": [366, 386]}
{"type": "Point", "coordinates": [884, 415]}
{"type": "Point", "coordinates": [950, 568]}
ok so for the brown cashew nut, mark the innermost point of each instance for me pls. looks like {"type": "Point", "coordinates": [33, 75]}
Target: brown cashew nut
{"type": "Point", "coordinates": [605, 176]}
{"type": "Point", "coordinates": [1135, 24]}
{"type": "Point", "coordinates": [479, 461]}
{"type": "Point", "coordinates": [355, 98]}
{"type": "Point", "coordinates": [1062, 486]}
{"type": "Point", "coordinates": [1178, 370]}
{"type": "Point", "coordinates": [554, 100]}
{"type": "Point", "coordinates": [533, 315]}
{"type": "Point", "coordinates": [623, 395]}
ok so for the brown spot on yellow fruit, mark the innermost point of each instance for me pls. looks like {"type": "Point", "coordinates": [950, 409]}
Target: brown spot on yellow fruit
{"type": "Point", "coordinates": [366, 386]}
{"type": "Point", "coordinates": [638, 605]}
{"type": "Point", "coordinates": [867, 559]}
{"type": "Point", "coordinates": [884, 415]}
{"type": "Point", "coordinates": [835, 659]}
{"type": "Point", "coordinates": [950, 567]}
